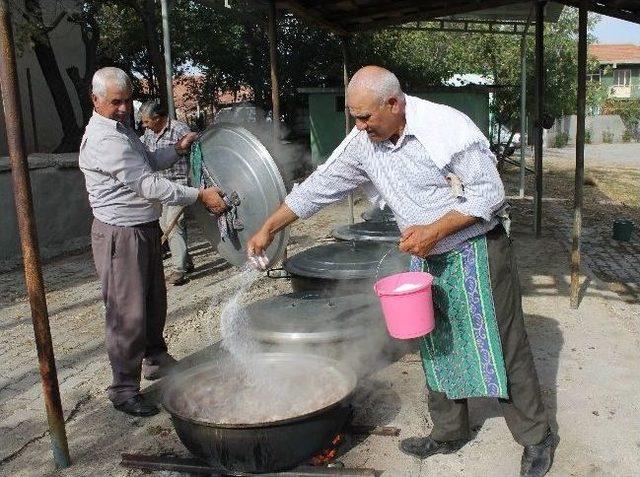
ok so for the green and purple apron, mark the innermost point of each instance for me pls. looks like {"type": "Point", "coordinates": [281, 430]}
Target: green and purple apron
{"type": "Point", "coordinates": [462, 356]}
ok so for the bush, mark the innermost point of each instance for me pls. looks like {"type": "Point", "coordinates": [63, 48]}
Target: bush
{"type": "Point", "coordinates": [607, 137]}
{"type": "Point", "coordinates": [561, 139]}
{"type": "Point", "coordinates": [627, 136]}
{"type": "Point", "coordinates": [587, 136]}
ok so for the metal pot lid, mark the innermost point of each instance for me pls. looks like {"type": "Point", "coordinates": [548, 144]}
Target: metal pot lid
{"type": "Point", "coordinates": [308, 318]}
{"type": "Point", "coordinates": [375, 214]}
{"type": "Point", "coordinates": [368, 232]}
{"type": "Point", "coordinates": [348, 260]}
{"type": "Point", "coordinates": [234, 160]}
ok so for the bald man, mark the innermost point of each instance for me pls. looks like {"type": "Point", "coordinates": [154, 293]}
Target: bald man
{"type": "Point", "coordinates": [401, 151]}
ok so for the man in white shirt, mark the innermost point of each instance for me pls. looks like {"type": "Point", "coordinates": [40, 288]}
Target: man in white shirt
{"type": "Point", "coordinates": [126, 196]}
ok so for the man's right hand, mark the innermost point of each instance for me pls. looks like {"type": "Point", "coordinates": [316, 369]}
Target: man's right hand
{"type": "Point", "coordinates": [211, 197]}
{"type": "Point", "coordinates": [259, 243]}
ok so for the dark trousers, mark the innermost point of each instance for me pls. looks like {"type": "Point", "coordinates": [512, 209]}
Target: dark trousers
{"type": "Point", "coordinates": [524, 411]}
{"type": "Point", "coordinates": [129, 264]}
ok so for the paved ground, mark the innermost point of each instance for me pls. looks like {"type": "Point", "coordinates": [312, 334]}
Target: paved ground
{"type": "Point", "coordinates": [607, 155]}
{"type": "Point", "coordinates": [587, 362]}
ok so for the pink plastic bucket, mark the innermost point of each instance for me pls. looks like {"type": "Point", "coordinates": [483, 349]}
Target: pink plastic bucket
{"type": "Point", "coordinates": [407, 304]}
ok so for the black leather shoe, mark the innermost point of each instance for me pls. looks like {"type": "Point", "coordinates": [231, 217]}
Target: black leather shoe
{"type": "Point", "coordinates": [537, 459]}
{"type": "Point", "coordinates": [423, 447]}
{"type": "Point", "coordinates": [137, 406]}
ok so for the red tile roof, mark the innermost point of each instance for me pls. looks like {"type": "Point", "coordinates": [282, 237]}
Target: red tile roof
{"type": "Point", "coordinates": [608, 54]}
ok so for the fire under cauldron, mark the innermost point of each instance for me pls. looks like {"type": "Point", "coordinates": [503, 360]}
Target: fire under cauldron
{"type": "Point", "coordinates": [347, 328]}
{"type": "Point", "coordinates": [344, 268]}
{"type": "Point", "coordinates": [206, 402]}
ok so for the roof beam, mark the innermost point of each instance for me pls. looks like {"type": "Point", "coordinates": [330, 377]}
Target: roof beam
{"type": "Point", "coordinates": [603, 8]}
{"type": "Point", "coordinates": [448, 9]}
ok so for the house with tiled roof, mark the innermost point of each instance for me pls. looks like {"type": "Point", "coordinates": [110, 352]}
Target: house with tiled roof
{"type": "Point", "coordinates": [618, 69]}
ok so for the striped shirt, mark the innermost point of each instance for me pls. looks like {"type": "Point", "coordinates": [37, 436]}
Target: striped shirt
{"type": "Point", "coordinates": [412, 185]}
{"type": "Point", "coordinates": [170, 134]}
{"type": "Point", "coordinates": [120, 174]}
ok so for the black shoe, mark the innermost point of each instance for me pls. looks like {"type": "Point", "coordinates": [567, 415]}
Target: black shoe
{"type": "Point", "coordinates": [137, 405]}
{"type": "Point", "coordinates": [537, 459]}
{"type": "Point", "coordinates": [423, 447]}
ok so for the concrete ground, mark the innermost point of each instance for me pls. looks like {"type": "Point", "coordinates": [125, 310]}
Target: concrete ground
{"type": "Point", "coordinates": [587, 360]}
{"type": "Point", "coordinates": [596, 155]}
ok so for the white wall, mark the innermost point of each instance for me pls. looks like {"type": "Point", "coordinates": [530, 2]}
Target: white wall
{"type": "Point", "coordinates": [69, 50]}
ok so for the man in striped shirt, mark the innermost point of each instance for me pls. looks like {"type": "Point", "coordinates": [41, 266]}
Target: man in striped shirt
{"type": "Point", "coordinates": [401, 150]}
{"type": "Point", "coordinates": [162, 131]}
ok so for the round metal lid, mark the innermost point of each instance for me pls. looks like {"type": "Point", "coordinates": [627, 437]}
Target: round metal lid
{"type": "Point", "coordinates": [368, 232]}
{"type": "Point", "coordinates": [348, 260]}
{"type": "Point", "coordinates": [308, 318]}
{"type": "Point", "coordinates": [374, 214]}
{"type": "Point", "coordinates": [238, 162]}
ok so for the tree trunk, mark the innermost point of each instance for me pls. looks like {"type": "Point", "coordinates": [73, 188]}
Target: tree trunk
{"type": "Point", "coordinates": [152, 34]}
{"type": "Point", "coordinates": [43, 50]}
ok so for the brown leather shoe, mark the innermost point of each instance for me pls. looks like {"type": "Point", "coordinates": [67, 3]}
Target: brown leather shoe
{"type": "Point", "coordinates": [177, 278]}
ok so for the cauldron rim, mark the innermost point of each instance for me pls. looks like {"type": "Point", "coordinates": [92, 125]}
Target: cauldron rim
{"type": "Point", "coordinates": [348, 373]}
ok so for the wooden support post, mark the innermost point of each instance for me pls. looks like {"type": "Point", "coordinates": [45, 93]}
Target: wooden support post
{"type": "Point", "coordinates": [347, 117]}
{"type": "Point", "coordinates": [537, 201]}
{"type": "Point", "coordinates": [29, 239]}
{"type": "Point", "coordinates": [580, 137]}
{"type": "Point", "coordinates": [273, 56]}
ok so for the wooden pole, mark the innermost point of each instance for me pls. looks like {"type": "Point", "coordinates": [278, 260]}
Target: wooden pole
{"type": "Point", "coordinates": [29, 240]}
{"type": "Point", "coordinates": [580, 137]}
{"type": "Point", "coordinates": [537, 202]}
{"type": "Point", "coordinates": [347, 117]}
{"type": "Point", "coordinates": [273, 55]}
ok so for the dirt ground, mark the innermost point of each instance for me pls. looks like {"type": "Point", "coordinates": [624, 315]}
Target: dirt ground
{"type": "Point", "coordinates": [586, 360]}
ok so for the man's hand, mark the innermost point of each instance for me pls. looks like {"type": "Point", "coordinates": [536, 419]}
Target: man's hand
{"type": "Point", "coordinates": [419, 240]}
{"type": "Point", "coordinates": [259, 243]}
{"type": "Point", "coordinates": [184, 144]}
{"type": "Point", "coordinates": [212, 200]}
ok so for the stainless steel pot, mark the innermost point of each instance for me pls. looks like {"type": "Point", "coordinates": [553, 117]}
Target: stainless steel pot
{"type": "Point", "coordinates": [260, 446]}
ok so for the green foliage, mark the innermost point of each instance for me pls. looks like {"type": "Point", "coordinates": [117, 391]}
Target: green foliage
{"type": "Point", "coordinates": [587, 136]}
{"type": "Point", "coordinates": [607, 137]}
{"type": "Point", "coordinates": [629, 112]}
{"type": "Point", "coordinates": [561, 140]}
{"type": "Point", "coordinates": [627, 136]}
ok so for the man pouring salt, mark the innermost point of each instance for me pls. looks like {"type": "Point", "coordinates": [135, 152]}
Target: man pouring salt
{"type": "Point", "coordinates": [403, 148]}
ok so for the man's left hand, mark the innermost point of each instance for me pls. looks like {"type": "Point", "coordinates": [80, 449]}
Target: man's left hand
{"type": "Point", "coordinates": [184, 144]}
{"type": "Point", "coordinates": [419, 240]}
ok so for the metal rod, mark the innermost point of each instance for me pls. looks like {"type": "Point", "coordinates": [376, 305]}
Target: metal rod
{"type": "Point", "coordinates": [29, 240]}
{"type": "Point", "coordinates": [347, 118]}
{"type": "Point", "coordinates": [194, 466]}
{"type": "Point", "coordinates": [273, 55]}
{"type": "Point", "coordinates": [537, 202]}
{"type": "Point", "coordinates": [166, 41]}
{"type": "Point", "coordinates": [523, 107]}
{"type": "Point", "coordinates": [580, 137]}
{"type": "Point", "coordinates": [32, 110]}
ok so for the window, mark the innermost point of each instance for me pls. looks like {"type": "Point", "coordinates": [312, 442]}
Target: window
{"type": "Point", "coordinates": [594, 77]}
{"type": "Point", "coordinates": [622, 77]}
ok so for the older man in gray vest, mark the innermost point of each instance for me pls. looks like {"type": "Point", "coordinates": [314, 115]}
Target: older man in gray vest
{"type": "Point", "coordinates": [126, 195]}
{"type": "Point", "coordinates": [401, 151]}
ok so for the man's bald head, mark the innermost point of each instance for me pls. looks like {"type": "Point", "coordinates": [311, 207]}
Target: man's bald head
{"type": "Point", "coordinates": [380, 82]}
{"type": "Point", "coordinates": [376, 101]}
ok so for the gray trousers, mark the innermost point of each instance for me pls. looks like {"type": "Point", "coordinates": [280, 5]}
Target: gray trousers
{"type": "Point", "coordinates": [177, 238]}
{"type": "Point", "coordinates": [524, 411]}
{"type": "Point", "coordinates": [129, 264]}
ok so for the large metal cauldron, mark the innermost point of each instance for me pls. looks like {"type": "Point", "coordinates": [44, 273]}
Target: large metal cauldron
{"type": "Point", "coordinates": [348, 328]}
{"type": "Point", "coordinates": [261, 446]}
{"type": "Point", "coordinates": [344, 268]}
{"type": "Point", "coordinates": [385, 231]}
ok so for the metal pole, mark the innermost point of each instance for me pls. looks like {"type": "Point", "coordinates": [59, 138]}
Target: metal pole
{"type": "Point", "coordinates": [347, 118]}
{"type": "Point", "coordinates": [580, 136]}
{"type": "Point", "coordinates": [273, 55]}
{"type": "Point", "coordinates": [29, 239]}
{"type": "Point", "coordinates": [523, 109]}
{"type": "Point", "coordinates": [32, 110]}
{"type": "Point", "coordinates": [537, 202]}
{"type": "Point", "coordinates": [166, 41]}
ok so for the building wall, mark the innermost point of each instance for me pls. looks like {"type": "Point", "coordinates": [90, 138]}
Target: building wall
{"type": "Point", "coordinates": [327, 123]}
{"type": "Point", "coordinates": [69, 50]}
{"type": "Point", "coordinates": [597, 126]}
{"type": "Point", "coordinates": [607, 80]}
{"type": "Point", "coordinates": [62, 213]}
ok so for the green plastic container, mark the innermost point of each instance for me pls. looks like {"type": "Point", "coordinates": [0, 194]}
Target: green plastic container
{"type": "Point", "coordinates": [622, 229]}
